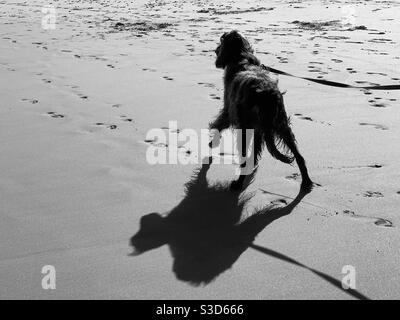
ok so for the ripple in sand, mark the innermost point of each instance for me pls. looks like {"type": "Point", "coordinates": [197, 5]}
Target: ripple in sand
{"type": "Point", "coordinates": [376, 126]}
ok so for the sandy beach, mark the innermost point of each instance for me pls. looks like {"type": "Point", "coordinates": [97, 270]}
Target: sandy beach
{"type": "Point", "coordinates": [80, 91]}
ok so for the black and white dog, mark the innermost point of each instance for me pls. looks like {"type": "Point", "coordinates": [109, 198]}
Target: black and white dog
{"type": "Point", "coordinates": [252, 100]}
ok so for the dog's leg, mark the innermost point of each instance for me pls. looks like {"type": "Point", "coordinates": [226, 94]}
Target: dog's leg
{"type": "Point", "coordinates": [242, 150]}
{"type": "Point", "coordinates": [219, 124]}
{"type": "Point", "coordinates": [290, 141]}
{"type": "Point", "coordinates": [247, 163]}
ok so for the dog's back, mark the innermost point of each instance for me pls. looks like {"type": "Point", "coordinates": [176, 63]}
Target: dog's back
{"type": "Point", "coordinates": [254, 99]}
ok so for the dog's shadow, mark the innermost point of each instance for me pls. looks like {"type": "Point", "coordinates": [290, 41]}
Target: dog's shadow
{"type": "Point", "coordinates": [206, 231]}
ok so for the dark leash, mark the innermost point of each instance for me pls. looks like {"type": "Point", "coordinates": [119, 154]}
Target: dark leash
{"type": "Point", "coordinates": [332, 83]}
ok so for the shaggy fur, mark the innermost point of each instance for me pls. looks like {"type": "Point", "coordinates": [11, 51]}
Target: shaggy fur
{"type": "Point", "coordinates": [252, 100]}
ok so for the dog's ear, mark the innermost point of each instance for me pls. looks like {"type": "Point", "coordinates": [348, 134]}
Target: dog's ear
{"type": "Point", "coordinates": [232, 46]}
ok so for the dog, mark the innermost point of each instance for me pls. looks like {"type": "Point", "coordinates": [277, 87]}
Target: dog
{"type": "Point", "coordinates": [252, 100]}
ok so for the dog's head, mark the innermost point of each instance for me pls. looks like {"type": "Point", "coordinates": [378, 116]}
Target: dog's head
{"type": "Point", "coordinates": [231, 48]}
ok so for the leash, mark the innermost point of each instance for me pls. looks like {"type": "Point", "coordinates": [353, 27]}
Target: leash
{"type": "Point", "coordinates": [332, 83]}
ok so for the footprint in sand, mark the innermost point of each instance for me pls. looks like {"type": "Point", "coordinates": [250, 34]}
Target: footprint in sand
{"type": "Point", "coordinates": [117, 105]}
{"type": "Point", "coordinates": [351, 70]}
{"type": "Point", "coordinates": [82, 96]}
{"type": "Point", "coordinates": [125, 118]}
{"type": "Point", "coordinates": [282, 59]}
{"type": "Point", "coordinates": [373, 194]}
{"type": "Point", "coordinates": [376, 126]}
{"type": "Point", "coordinates": [314, 69]}
{"type": "Point", "coordinates": [293, 176]}
{"type": "Point", "coordinates": [278, 202]}
{"type": "Point", "coordinates": [162, 142]}
{"type": "Point", "coordinates": [296, 176]}
{"type": "Point", "coordinates": [55, 115]}
{"type": "Point", "coordinates": [383, 223]}
{"type": "Point", "coordinates": [378, 105]}
{"type": "Point", "coordinates": [380, 222]}
{"type": "Point", "coordinates": [376, 166]}
{"type": "Point", "coordinates": [302, 117]}
{"type": "Point", "coordinates": [154, 142]}
{"type": "Point", "coordinates": [33, 101]}
{"type": "Point", "coordinates": [215, 97]}
{"type": "Point", "coordinates": [108, 126]}
{"type": "Point", "coordinates": [207, 85]}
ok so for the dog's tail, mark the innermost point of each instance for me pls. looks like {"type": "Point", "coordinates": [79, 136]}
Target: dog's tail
{"type": "Point", "coordinates": [273, 115]}
{"type": "Point", "coordinates": [272, 142]}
